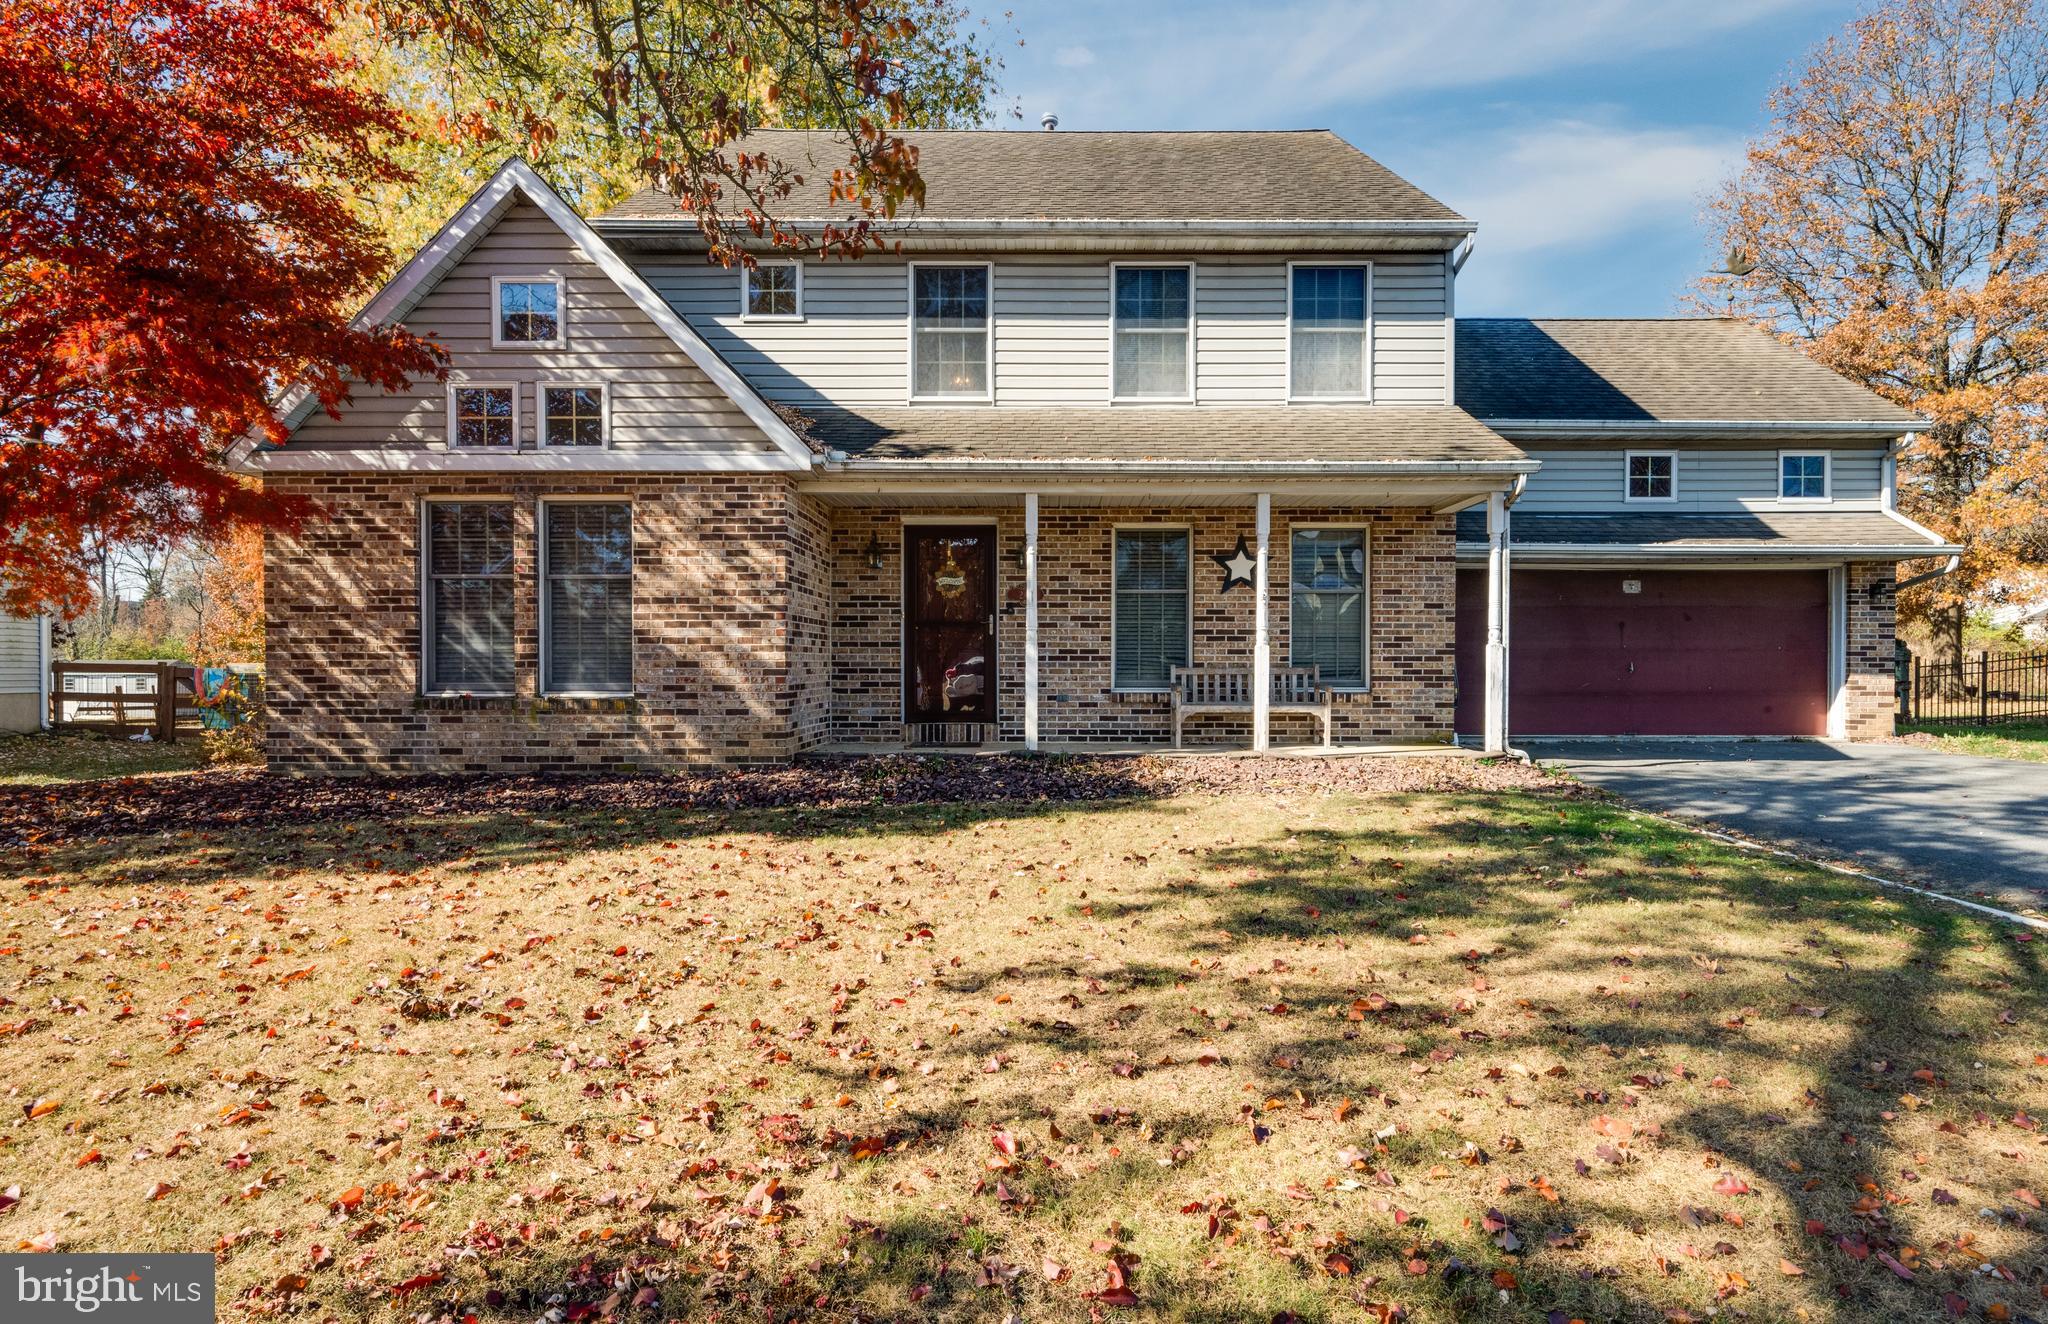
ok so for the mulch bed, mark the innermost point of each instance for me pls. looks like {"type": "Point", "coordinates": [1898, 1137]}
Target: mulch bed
{"type": "Point", "coordinates": [252, 800]}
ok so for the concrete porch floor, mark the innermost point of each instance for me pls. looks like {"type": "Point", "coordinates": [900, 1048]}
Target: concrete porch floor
{"type": "Point", "coordinates": [1109, 748]}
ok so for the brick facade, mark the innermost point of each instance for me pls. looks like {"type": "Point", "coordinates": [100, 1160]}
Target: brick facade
{"type": "Point", "coordinates": [1411, 623]}
{"type": "Point", "coordinates": [1870, 700]}
{"type": "Point", "coordinates": [761, 629]}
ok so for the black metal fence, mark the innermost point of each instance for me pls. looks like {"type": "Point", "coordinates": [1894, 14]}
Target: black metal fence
{"type": "Point", "coordinates": [1981, 690]}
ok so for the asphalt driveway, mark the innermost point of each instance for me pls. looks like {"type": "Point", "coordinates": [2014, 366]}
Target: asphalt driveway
{"type": "Point", "coordinates": [1976, 825]}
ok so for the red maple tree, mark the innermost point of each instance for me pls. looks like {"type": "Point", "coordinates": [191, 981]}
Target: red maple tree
{"type": "Point", "coordinates": [175, 249]}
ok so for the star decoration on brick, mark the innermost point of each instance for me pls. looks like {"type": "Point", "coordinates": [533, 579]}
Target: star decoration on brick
{"type": "Point", "coordinates": [1238, 565]}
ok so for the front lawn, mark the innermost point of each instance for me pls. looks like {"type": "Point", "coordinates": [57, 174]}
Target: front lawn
{"type": "Point", "coordinates": [53, 760]}
{"type": "Point", "coordinates": [2003, 740]}
{"type": "Point", "coordinates": [1218, 1042]}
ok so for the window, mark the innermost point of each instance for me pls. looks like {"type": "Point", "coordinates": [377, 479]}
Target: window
{"type": "Point", "coordinates": [467, 625]}
{"type": "Point", "coordinates": [483, 417]}
{"type": "Point", "coordinates": [572, 416]}
{"type": "Point", "coordinates": [1803, 476]}
{"type": "Point", "coordinates": [586, 597]}
{"type": "Point", "coordinates": [1652, 476]}
{"type": "Point", "coordinates": [1150, 633]}
{"type": "Point", "coordinates": [1326, 625]}
{"type": "Point", "coordinates": [1329, 333]}
{"type": "Point", "coordinates": [529, 312]}
{"type": "Point", "coordinates": [772, 292]}
{"type": "Point", "coordinates": [1152, 332]}
{"type": "Point", "coordinates": [949, 350]}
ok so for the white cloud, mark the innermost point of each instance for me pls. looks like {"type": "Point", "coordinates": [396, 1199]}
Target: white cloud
{"type": "Point", "coordinates": [1073, 57]}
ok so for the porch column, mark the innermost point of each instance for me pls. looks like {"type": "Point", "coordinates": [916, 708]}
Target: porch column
{"type": "Point", "coordinates": [1496, 624]}
{"type": "Point", "coordinates": [1262, 643]}
{"type": "Point", "coordinates": [1031, 620]}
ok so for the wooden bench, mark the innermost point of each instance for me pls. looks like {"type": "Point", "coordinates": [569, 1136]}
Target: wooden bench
{"type": "Point", "coordinates": [1229, 690]}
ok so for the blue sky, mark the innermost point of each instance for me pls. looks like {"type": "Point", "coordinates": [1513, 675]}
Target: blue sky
{"type": "Point", "coordinates": [1582, 135]}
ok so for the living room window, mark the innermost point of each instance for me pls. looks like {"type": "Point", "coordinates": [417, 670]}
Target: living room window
{"type": "Point", "coordinates": [1153, 333]}
{"type": "Point", "coordinates": [1803, 476]}
{"type": "Point", "coordinates": [1329, 332]}
{"type": "Point", "coordinates": [466, 615]}
{"type": "Point", "coordinates": [483, 417]}
{"type": "Point", "coordinates": [1326, 624]}
{"type": "Point", "coordinates": [1651, 476]}
{"type": "Point", "coordinates": [949, 340]}
{"type": "Point", "coordinates": [528, 312]}
{"type": "Point", "coordinates": [586, 609]}
{"type": "Point", "coordinates": [772, 292]}
{"type": "Point", "coordinates": [1150, 628]}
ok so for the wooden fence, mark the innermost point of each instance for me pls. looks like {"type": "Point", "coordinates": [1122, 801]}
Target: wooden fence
{"type": "Point", "coordinates": [1977, 691]}
{"type": "Point", "coordinates": [125, 698]}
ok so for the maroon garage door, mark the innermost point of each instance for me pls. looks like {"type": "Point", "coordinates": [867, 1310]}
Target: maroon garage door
{"type": "Point", "coordinates": [1689, 653]}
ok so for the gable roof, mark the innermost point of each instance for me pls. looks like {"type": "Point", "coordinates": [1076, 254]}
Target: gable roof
{"type": "Point", "coordinates": [986, 175]}
{"type": "Point", "coordinates": [1656, 373]}
{"type": "Point", "coordinates": [514, 180]}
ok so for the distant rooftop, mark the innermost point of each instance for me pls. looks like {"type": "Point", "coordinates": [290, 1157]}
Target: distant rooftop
{"type": "Point", "coordinates": [1017, 175]}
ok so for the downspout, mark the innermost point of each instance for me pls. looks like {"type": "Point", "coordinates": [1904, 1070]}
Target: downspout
{"type": "Point", "coordinates": [1890, 494]}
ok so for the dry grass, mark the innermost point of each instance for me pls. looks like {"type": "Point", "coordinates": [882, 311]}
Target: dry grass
{"type": "Point", "coordinates": [2026, 741]}
{"type": "Point", "coordinates": [1286, 1048]}
{"type": "Point", "coordinates": [51, 760]}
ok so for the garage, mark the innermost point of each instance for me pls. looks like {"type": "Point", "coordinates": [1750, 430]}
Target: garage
{"type": "Point", "coordinates": [1654, 652]}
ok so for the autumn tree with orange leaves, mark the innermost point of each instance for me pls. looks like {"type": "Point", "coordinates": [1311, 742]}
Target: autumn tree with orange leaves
{"type": "Point", "coordinates": [174, 248]}
{"type": "Point", "coordinates": [1897, 214]}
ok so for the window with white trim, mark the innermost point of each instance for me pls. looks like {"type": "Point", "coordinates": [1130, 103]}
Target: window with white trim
{"type": "Point", "coordinates": [467, 626]}
{"type": "Point", "coordinates": [1327, 333]}
{"type": "Point", "coordinates": [772, 292]}
{"type": "Point", "coordinates": [949, 340]}
{"type": "Point", "coordinates": [1151, 589]}
{"type": "Point", "coordinates": [1652, 476]}
{"type": "Point", "coordinates": [483, 417]}
{"type": "Point", "coordinates": [1153, 333]}
{"type": "Point", "coordinates": [529, 312]}
{"type": "Point", "coordinates": [1326, 623]}
{"type": "Point", "coordinates": [572, 416]}
{"type": "Point", "coordinates": [586, 597]}
{"type": "Point", "coordinates": [1803, 476]}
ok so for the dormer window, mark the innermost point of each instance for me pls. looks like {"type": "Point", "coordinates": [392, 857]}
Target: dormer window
{"type": "Point", "coordinates": [772, 292]}
{"type": "Point", "coordinates": [528, 312]}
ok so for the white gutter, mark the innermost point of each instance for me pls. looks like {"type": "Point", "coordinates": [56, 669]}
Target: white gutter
{"type": "Point", "coordinates": [1657, 551]}
{"type": "Point", "coordinates": [1889, 503]}
{"type": "Point", "coordinates": [1567, 427]}
{"type": "Point", "coordinates": [686, 226]}
{"type": "Point", "coordinates": [916, 469]}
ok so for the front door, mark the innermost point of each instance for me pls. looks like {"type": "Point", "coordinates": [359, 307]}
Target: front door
{"type": "Point", "coordinates": [949, 623]}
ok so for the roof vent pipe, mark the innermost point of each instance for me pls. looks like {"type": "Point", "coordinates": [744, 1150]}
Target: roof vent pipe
{"type": "Point", "coordinates": [1048, 121]}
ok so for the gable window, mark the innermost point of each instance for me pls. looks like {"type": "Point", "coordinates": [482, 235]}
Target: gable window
{"type": "Point", "coordinates": [1151, 589]}
{"type": "Point", "coordinates": [1652, 476]}
{"type": "Point", "coordinates": [772, 292]}
{"type": "Point", "coordinates": [949, 340]}
{"type": "Point", "coordinates": [1326, 623]}
{"type": "Point", "coordinates": [572, 416]}
{"type": "Point", "coordinates": [586, 597]}
{"type": "Point", "coordinates": [1153, 333]}
{"type": "Point", "coordinates": [483, 417]}
{"type": "Point", "coordinates": [1803, 476]}
{"type": "Point", "coordinates": [1329, 339]}
{"type": "Point", "coordinates": [529, 311]}
{"type": "Point", "coordinates": [466, 624]}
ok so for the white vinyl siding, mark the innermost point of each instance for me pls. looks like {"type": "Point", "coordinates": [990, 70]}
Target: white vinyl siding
{"type": "Point", "coordinates": [467, 608]}
{"type": "Point", "coordinates": [658, 398]}
{"type": "Point", "coordinates": [1052, 328]}
{"type": "Point", "coordinates": [1152, 584]}
{"type": "Point", "coordinates": [586, 597]}
{"type": "Point", "coordinates": [1709, 480]}
{"type": "Point", "coordinates": [20, 655]}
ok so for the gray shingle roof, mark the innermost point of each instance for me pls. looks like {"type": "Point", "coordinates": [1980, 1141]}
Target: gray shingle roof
{"type": "Point", "coordinates": [1744, 531]}
{"type": "Point", "coordinates": [1623, 370]}
{"type": "Point", "coordinates": [1324, 433]}
{"type": "Point", "coordinates": [1309, 175]}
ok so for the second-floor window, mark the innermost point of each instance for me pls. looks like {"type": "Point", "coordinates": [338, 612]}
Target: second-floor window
{"type": "Point", "coordinates": [1803, 476]}
{"type": "Point", "coordinates": [949, 340]}
{"type": "Point", "coordinates": [483, 417]}
{"type": "Point", "coordinates": [1651, 476]}
{"type": "Point", "coordinates": [772, 292]}
{"type": "Point", "coordinates": [527, 312]}
{"type": "Point", "coordinates": [1328, 332]}
{"type": "Point", "coordinates": [1153, 333]}
{"type": "Point", "coordinates": [572, 415]}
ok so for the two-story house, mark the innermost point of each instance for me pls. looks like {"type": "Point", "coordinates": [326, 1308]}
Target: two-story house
{"type": "Point", "coordinates": [1122, 405]}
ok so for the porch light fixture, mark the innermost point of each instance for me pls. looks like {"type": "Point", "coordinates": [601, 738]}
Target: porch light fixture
{"type": "Point", "coordinates": [875, 550]}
